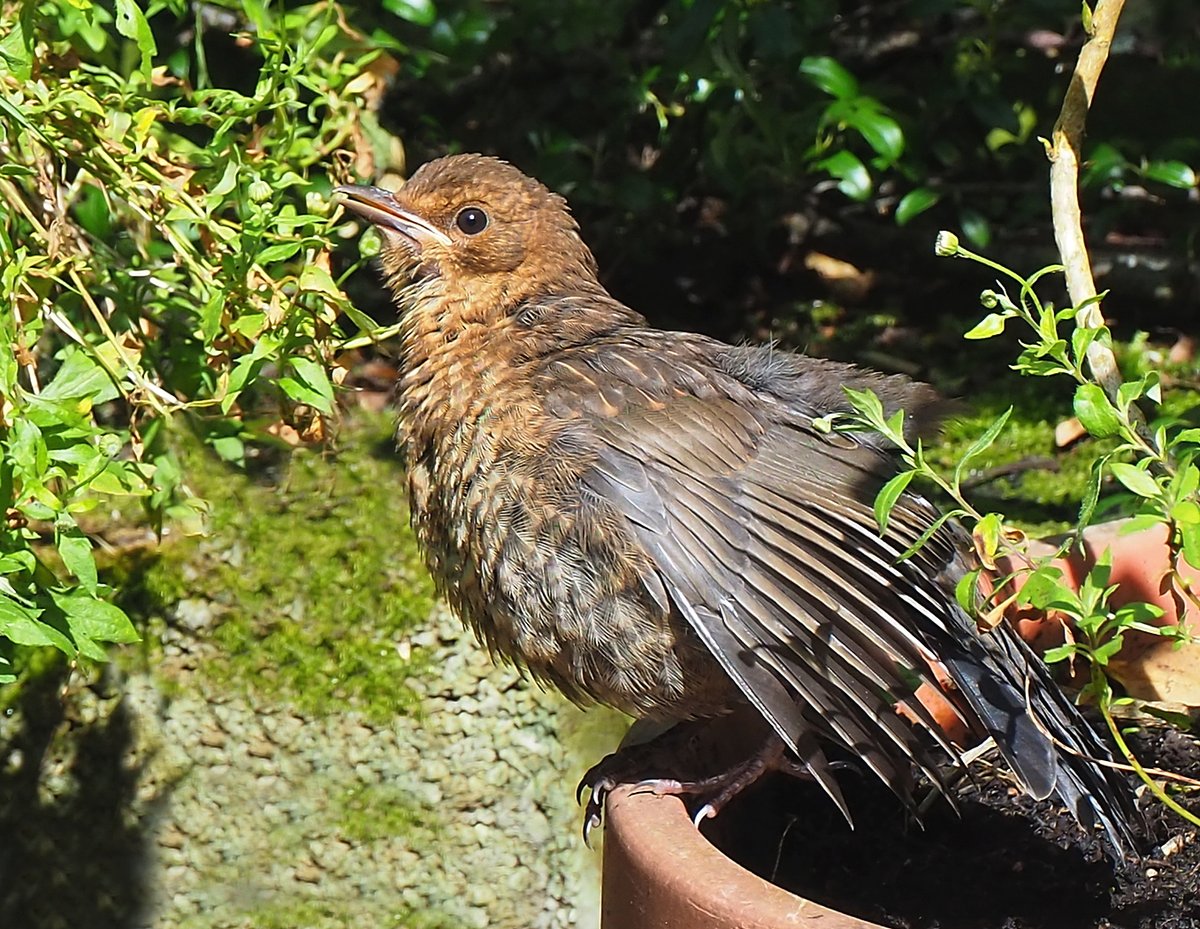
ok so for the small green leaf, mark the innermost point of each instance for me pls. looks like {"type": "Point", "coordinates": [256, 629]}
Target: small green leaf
{"type": "Point", "coordinates": [981, 444]}
{"type": "Point", "coordinates": [867, 405]}
{"type": "Point", "coordinates": [1095, 412]}
{"type": "Point", "coordinates": [988, 327]}
{"type": "Point", "coordinates": [75, 549]}
{"type": "Point", "coordinates": [80, 376]}
{"type": "Point", "coordinates": [966, 591]}
{"type": "Point", "coordinates": [830, 77]}
{"type": "Point", "coordinates": [881, 132]}
{"type": "Point", "coordinates": [243, 373]}
{"type": "Point", "coordinates": [854, 180]}
{"type": "Point", "coordinates": [975, 227]}
{"type": "Point", "coordinates": [1041, 587]}
{"type": "Point", "coordinates": [280, 252]}
{"type": "Point", "coordinates": [420, 12]}
{"type": "Point", "coordinates": [929, 533]}
{"type": "Point", "coordinates": [1186, 512]}
{"type": "Point", "coordinates": [888, 495]}
{"type": "Point", "coordinates": [1059, 653]}
{"type": "Point", "coordinates": [91, 618]}
{"type": "Point", "coordinates": [131, 23]}
{"type": "Point", "coordinates": [987, 535]}
{"type": "Point", "coordinates": [1189, 537]}
{"type": "Point", "coordinates": [1172, 173]}
{"type": "Point", "coordinates": [310, 385]}
{"type": "Point", "coordinates": [1106, 650]}
{"type": "Point", "coordinates": [1135, 479]}
{"type": "Point", "coordinates": [19, 624]}
{"type": "Point", "coordinates": [1091, 491]}
{"type": "Point", "coordinates": [914, 203]}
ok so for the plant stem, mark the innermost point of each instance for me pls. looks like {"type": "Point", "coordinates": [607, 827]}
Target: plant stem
{"type": "Point", "coordinates": [1141, 772]}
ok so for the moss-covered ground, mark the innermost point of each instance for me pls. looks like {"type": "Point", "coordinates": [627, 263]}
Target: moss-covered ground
{"type": "Point", "coordinates": [311, 571]}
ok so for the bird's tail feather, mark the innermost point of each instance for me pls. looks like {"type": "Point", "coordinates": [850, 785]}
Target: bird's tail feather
{"type": "Point", "coordinates": [1041, 734]}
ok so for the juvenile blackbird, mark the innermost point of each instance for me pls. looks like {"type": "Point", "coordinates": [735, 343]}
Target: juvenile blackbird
{"type": "Point", "coordinates": [651, 520]}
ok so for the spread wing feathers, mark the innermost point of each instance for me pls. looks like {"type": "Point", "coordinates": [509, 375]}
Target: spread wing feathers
{"type": "Point", "coordinates": [763, 536]}
{"type": "Point", "coordinates": [763, 544]}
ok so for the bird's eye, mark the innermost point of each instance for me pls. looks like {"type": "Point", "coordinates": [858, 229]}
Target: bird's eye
{"type": "Point", "coordinates": [472, 220]}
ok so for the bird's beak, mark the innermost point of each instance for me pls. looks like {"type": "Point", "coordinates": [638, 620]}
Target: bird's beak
{"type": "Point", "coordinates": [378, 206]}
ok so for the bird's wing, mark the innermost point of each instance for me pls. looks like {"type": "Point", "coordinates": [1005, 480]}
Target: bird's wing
{"type": "Point", "coordinates": [763, 533]}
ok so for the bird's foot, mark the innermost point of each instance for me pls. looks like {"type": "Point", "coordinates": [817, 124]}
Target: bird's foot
{"type": "Point", "coordinates": [630, 765]}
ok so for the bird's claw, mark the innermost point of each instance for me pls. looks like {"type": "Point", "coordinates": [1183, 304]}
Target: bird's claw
{"type": "Point", "coordinates": [593, 813]}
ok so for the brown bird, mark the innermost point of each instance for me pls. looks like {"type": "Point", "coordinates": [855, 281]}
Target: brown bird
{"type": "Point", "coordinates": [652, 520]}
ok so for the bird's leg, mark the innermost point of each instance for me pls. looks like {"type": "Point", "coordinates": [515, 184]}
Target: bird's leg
{"type": "Point", "coordinates": [630, 765]}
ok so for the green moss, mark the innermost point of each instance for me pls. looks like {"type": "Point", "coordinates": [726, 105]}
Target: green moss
{"type": "Point", "coordinates": [377, 812]}
{"type": "Point", "coordinates": [313, 572]}
{"type": "Point", "coordinates": [1043, 492]}
{"type": "Point", "coordinates": [320, 914]}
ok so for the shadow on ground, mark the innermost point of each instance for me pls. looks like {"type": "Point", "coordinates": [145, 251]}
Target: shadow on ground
{"type": "Point", "coordinates": [72, 852]}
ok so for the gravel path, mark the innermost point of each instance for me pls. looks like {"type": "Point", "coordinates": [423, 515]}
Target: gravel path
{"type": "Point", "coordinates": [144, 799]}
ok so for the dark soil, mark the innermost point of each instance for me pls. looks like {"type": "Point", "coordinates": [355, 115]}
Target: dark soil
{"type": "Point", "coordinates": [1007, 863]}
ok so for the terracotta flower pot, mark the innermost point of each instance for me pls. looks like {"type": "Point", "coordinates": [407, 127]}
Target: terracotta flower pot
{"type": "Point", "coordinates": [1149, 667]}
{"type": "Point", "coordinates": [660, 872]}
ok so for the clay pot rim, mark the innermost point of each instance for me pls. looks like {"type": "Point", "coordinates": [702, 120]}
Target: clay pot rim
{"type": "Point", "coordinates": [709, 888]}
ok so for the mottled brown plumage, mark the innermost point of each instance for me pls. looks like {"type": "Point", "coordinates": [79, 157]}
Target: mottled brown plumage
{"type": "Point", "coordinates": [652, 521]}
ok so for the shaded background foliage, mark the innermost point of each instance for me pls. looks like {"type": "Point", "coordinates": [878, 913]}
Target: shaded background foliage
{"type": "Point", "coordinates": [696, 151]}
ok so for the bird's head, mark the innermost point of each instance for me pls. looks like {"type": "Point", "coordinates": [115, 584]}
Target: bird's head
{"type": "Point", "coordinates": [476, 224]}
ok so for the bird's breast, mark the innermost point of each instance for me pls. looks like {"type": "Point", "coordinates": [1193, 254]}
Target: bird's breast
{"type": "Point", "coordinates": [546, 577]}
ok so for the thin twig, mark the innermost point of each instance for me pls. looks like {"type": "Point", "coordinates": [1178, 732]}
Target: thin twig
{"type": "Point", "coordinates": [1063, 151]}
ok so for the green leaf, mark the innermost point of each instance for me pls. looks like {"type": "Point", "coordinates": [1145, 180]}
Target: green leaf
{"type": "Point", "coordinates": [27, 448]}
{"type": "Point", "coordinates": [966, 591]}
{"type": "Point", "coordinates": [1172, 173]}
{"type": "Point", "coordinates": [1106, 650]}
{"type": "Point", "coordinates": [929, 533]}
{"type": "Point", "coordinates": [1135, 479]}
{"type": "Point", "coordinates": [420, 12]}
{"type": "Point", "coordinates": [830, 77]}
{"type": "Point", "coordinates": [988, 327]}
{"type": "Point", "coordinates": [866, 404]}
{"type": "Point", "coordinates": [1095, 412]}
{"type": "Point", "coordinates": [1091, 491]}
{"type": "Point", "coordinates": [1186, 512]}
{"type": "Point", "coordinates": [1138, 613]}
{"type": "Point", "coordinates": [75, 549]}
{"type": "Point", "coordinates": [91, 618]}
{"type": "Point", "coordinates": [230, 448]}
{"type": "Point", "coordinates": [1059, 653]}
{"type": "Point", "coordinates": [987, 533]}
{"type": "Point", "coordinates": [975, 227]}
{"type": "Point", "coordinates": [1041, 587]}
{"type": "Point", "coordinates": [854, 180]}
{"type": "Point", "coordinates": [888, 495]}
{"type": "Point", "coordinates": [1189, 537]}
{"type": "Point", "coordinates": [315, 278]}
{"type": "Point", "coordinates": [1082, 339]}
{"type": "Point", "coordinates": [310, 385]}
{"type": "Point", "coordinates": [16, 49]}
{"type": "Point", "coordinates": [78, 377]}
{"type": "Point", "coordinates": [982, 444]}
{"type": "Point", "coordinates": [280, 252]}
{"type": "Point", "coordinates": [131, 23]}
{"type": "Point", "coordinates": [914, 203]}
{"type": "Point", "coordinates": [881, 132]}
{"type": "Point", "coordinates": [19, 624]}
{"type": "Point", "coordinates": [243, 372]}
